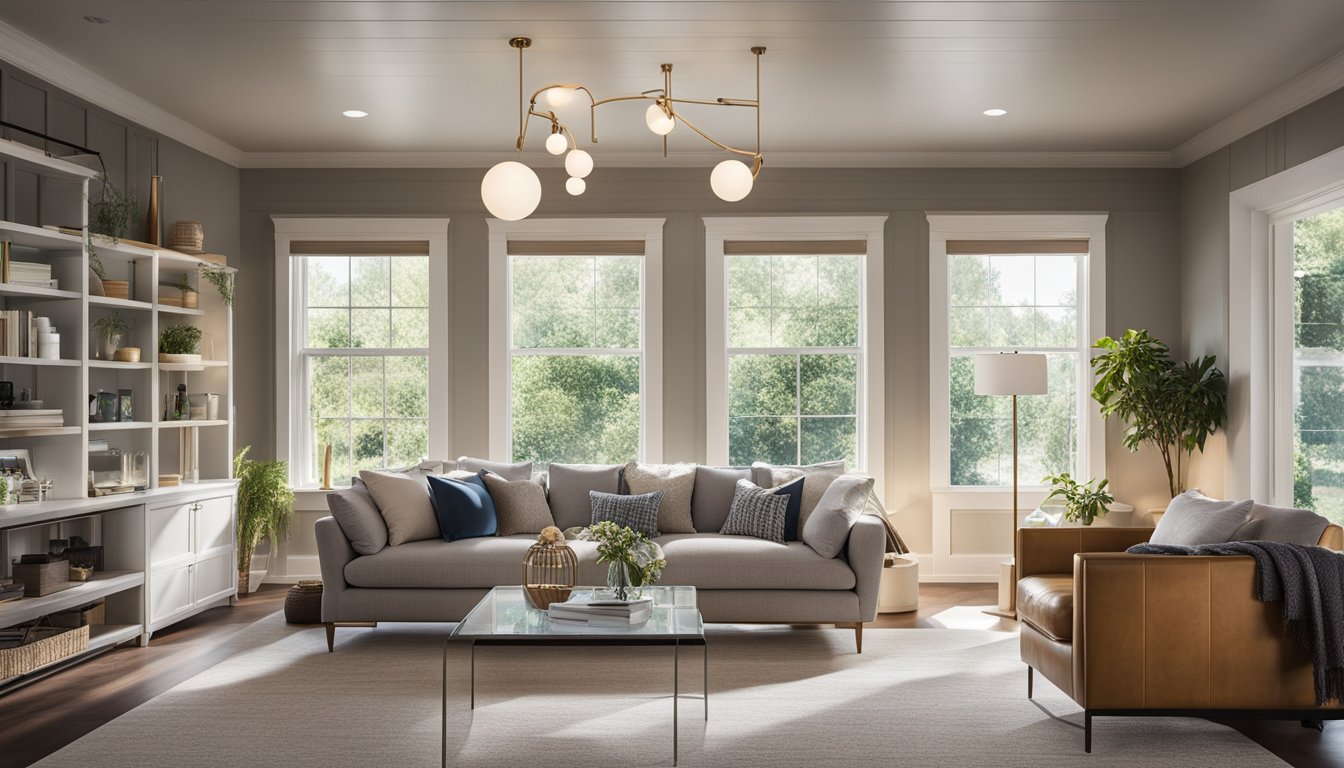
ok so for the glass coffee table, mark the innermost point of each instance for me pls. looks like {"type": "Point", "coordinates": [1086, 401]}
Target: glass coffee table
{"type": "Point", "coordinates": [503, 617]}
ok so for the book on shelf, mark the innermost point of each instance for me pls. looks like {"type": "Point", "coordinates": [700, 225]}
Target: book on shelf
{"type": "Point", "coordinates": [29, 418]}
{"type": "Point", "coordinates": [18, 333]}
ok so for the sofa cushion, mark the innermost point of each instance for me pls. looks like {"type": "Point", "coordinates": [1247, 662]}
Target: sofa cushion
{"type": "Point", "coordinates": [1046, 603]}
{"type": "Point", "coordinates": [713, 495]}
{"type": "Point", "coordinates": [463, 507]}
{"type": "Point", "coordinates": [520, 505]}
{"type": "Point", "coordinates": [676, 481]}
{"type": "Point", "coordinates": [521, 471]}
{"type": "Point", "coordinates": [827, 530]}
{"type": "Point", "coordinates": [463, 564]}
{"type": "Point", "coordinates": [793, 529]}
{"type": "Point", "coordinates": [570, 486]}
{"type": "Point", "coordinates": [357, 514]}
{"type": "Point", "coordinates": [1282, 524]}
{"type": "Point", "coordinates": [757, 512]}
{"type": "Point", "coordinates": [403, 500]}
{"type": "Point", "coordinates": [1193, 519]}
{"type": "Point", "coordinates": [638, 512]}
{"type": "Point", "coordinates": [715, 561]}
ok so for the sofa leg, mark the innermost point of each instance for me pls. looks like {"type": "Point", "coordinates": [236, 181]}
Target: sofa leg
{"type": "Point", "coordinates": [1087, 732]}
{"type": "Point", "coordinates": [857, 626]}
{"type": "Point", "coordinates": [1315, 725]}
{"type": "Point", "coordinates": [331, 637]}
{"type": "Point", "coordinates": [1031, 676]}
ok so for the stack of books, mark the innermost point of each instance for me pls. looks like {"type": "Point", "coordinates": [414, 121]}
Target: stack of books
{"type": "Point", "coordinates": [18, 333]}
{"type": "Point", "coordinates": [10, 590]}
{"type": "Point", "coordinates": [584, 609]}
{"type": "Point", "coordinates": [27, 273]}
{"type": "Point", "coordinates": [31, 418]}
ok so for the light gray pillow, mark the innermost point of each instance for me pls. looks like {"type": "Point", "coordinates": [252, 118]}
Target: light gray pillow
{"type": "Point", "coordinates": [1282, 524]}
{"type": "Point", "coordinates": [403, 500]}
{"type": "Point", "coordinates": [827, 530]}
{"type": "Point", "coordinates": [816, 479]}
{"type": "Point", "coordinates": [761, 472]}
{"type": "Point", "coordinates": [676, 481]}
{"type": "Point", "coordinates": [1193, 518]}
{"type": "Point", "coordinates": [521, 471]}
{"type": "Point", "coordinates": [713, 495]}
{"type": "Point", "coordinates": [570, 486]}
{"type": "Point", "coordinates": [756, 512]}
{"type": "Point", "coordinates": [519, 504]}
{"type": "Point", "coordinates": [359, 519]}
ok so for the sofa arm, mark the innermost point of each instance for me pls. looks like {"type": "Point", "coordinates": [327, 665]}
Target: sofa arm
{"type": "Point", "coordinates": [333, 553]}
{"type": "Point", "coordinates": [1051, 550]}
{"type": "Point", "coordinates": [866, 549]}
{"type": "Point", "coordinates": [1164, 632]}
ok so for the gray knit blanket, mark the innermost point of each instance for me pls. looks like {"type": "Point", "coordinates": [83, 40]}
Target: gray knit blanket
{"type": "Point", "coordinates": [1309, 583]}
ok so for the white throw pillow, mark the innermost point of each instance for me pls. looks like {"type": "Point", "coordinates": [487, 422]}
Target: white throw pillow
{"type": "Point", "coordinates": [403, 500]}
{"type": "Point", "coordinates": [1193, 519]}
{"type": "Point", "coordinates": [827, 529]}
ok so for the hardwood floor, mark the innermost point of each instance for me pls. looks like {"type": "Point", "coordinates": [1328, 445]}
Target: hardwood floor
{"type": "Point", "coordinates": [40, 719]}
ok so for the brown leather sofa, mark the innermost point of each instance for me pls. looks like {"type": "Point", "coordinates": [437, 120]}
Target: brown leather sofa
{"type": "Point", "coordinates": [1157, 635]}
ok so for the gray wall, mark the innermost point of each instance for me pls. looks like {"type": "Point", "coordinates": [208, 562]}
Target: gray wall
{"type": "Point", "coordinates": [1143, 280]}
{"type": "Point", "coordinates": [1309, 132]}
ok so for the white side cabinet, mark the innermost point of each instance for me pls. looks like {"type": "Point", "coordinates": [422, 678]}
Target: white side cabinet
{"type": "Point", "coordinates": [192, 554]}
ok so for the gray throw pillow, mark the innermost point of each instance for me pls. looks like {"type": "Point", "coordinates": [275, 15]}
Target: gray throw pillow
{"type": "Point", "coordinates": [762, 473]}
{"type": "Point", "coordinates": [756, 512]}
{"type": "Point", "coordinates": [522, 471]}
{"type": "Point", "coordinates": [1193, 519]}
{"type": "Point", "coordinates": [676, 481]}
{"type": "Point", "coordinates": [520, 505]}
{"type": "Point", "coordinates": [1282, 524]}
{"type": "Point", "coordinates": [359, 519]}
{"type": "Point", "coordinates": [639, 513]}
{"type": "Point", "coordinates": [570, 486]}
{"type": "Point", "coordinates": [827, 530]}
{"type": "Point", "coordinates": [713, 495]}
{"type": "Point", "coordinates": [403, 500]}
{"type": "Point", "coordinates": [816, 479]}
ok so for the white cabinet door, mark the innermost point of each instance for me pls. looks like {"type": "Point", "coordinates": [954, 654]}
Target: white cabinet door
{"type": "Point", "coordinates": [169, 530]}
{"type": "Point", "coordinates": [214, 578]}
{"type": "Point", "coordinates": [214, 524]}
{"type": "Point", "coordinates": [170, 591]}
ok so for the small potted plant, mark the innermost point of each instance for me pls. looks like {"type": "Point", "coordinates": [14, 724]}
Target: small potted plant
{"type": "Point", "coordinates": [1083, 502]}
{"type": "Point", "coordinates": [265, 511]}
{"type": "Point", "coordinates": [633, 561]}
{"type": "Point", "coordinates": [190, 298]}
{"type": "Point", "coordinates": [110, 331]}
{"type": "Point", "coordinates": [180, 344]}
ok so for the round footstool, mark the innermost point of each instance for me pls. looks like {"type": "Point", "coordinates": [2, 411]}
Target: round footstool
{"type": "Point", "coordinates": [303, 603]}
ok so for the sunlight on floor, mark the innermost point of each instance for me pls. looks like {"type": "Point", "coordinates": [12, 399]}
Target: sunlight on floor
{"type": "Point", "coordinates": [972, 617]}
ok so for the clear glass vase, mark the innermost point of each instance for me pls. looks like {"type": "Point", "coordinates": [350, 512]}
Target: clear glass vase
{"type": "Point", "coordinates": [618, 581]}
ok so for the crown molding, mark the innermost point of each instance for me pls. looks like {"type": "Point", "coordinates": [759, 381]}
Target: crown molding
{"type": "Point", "coordinates": [705, 159]}
{"type": "Point", "coordinates": [42, 61]}
{"type": "Point", "coordinates": [1319, 81]}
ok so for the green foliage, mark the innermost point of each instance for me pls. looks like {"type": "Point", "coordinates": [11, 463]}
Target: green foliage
{"type": "Point", "coordinates": [1172, 406]}
{"type": "Point", "coordinates": [1082, 501]}
{"type": "Point", "coordinates": [219, 277]}
{"type": "Point", "coordinates": [576, 409]}
{"type": "Point", "coordinates": [643, 559]}
{"type": "Point", "coordinates": [180, 340]}
{"type": "Point", "coordinates": [1303, 495]}
{"type": "Point", "coordinates": [265, 504]}
{"type": "Point", "coordinates": [113, 324]}
{"type": "Point", "coordinates": [112, 211]}
{"type": "Point", "coordinates": [96, 263]}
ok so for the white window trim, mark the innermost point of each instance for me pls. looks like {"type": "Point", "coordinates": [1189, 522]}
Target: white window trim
{"type": "Point", "coordinates": [291, 404]}
{"type": "Point", "coordinates": [1259, 323]}
{"type": "Point", "coordinates": [871, 397]}
{"type": "Point", "coordinates": [948, 562]}
{"type": "Point", "coordinates": [651, 320]}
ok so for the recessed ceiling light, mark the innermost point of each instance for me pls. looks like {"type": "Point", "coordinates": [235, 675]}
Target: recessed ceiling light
{"type": "Point", "coordinates": [97, 20]}
{"type": "Point", "coordinates": [355, 113]}
{"type": "Point", "coordinates": [996, 112]}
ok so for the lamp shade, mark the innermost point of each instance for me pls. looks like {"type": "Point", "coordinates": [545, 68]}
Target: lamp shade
{"type": "Point", "coordinates": [1010, 373]}
{"type": "Point", "coordinates": [511, 191]}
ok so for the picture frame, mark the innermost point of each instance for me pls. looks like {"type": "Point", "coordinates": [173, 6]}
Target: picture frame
{"type": "Point", "coordinates": [17, 461]}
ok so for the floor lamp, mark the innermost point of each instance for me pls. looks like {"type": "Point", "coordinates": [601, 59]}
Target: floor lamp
{"type": "Point", "coordinates": [1010, 373]}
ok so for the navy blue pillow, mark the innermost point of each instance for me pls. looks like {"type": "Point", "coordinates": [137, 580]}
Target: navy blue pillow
{"type": "Point", "coordinates": [464, 508]}
{"type": "Point", "coordinates": [794, 491]}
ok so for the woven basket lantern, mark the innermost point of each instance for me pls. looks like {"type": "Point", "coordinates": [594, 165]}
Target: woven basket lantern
{"type": "Point", "coordinates": [186, 236]}
{"type": "Point", "coordinates": [549, 569]}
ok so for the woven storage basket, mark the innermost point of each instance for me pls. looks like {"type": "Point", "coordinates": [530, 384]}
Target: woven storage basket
{"type": "Point", "coordinates": [303, 603]}
{"type": "Point", "coordinates": [186, 236]}
{"type": "Point", "coordinates": [46, 645]}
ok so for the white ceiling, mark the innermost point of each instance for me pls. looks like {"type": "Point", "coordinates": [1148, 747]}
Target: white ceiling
{"type": "Point", "coordinates": [839, 77]}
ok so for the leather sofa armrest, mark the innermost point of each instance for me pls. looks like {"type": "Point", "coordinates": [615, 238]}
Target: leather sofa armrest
{"type": "Point", "coordinates": [865, 551]}
{"type": "Point", "coordinates": [1051, 550]}
{"type": "Point", "coordinates": [1154, 631]}
{"type": "Point", "coordinates": [333, 553]}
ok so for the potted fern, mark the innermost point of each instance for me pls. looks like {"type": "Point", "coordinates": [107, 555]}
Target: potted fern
{"type": "Point", "coordinates": [265, 511]}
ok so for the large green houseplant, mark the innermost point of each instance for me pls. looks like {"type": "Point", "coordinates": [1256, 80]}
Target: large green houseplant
{"type": "Point", "coordinates": [1173, 406]}
{"type": "Point", "coordinates": [265, 508]}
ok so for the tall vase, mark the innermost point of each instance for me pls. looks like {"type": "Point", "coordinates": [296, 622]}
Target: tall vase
{"type": "Point", "coordinates": [154, 231]}
{"type": "Point", "coordinates": [618, 581]}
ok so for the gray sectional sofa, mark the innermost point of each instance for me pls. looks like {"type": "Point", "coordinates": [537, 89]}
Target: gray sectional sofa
{"type": "Point", "coordinates": [739, 579]}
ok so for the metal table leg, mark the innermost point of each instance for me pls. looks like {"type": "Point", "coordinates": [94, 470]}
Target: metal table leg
{"type": "Point", "coordinates": [676, 689]}
{"type": "Point", "coordinates": [706, 646]}
{"type": "Point", "coordinates": [473, 674]}
{"type": "Point", "coordinates": [443, 730]}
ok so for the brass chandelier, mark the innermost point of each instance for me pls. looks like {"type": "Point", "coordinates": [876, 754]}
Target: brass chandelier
{"type": "Point", "coordinates": [512, 191]}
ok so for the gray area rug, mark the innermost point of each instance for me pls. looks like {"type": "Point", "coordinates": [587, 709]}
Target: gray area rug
{"type": "Point", "coordinates": [924, 697]}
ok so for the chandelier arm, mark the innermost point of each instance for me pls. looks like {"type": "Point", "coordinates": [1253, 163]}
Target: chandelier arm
{"type": "Point", "coordinates": [717, 143]}
{"type": "Point", "coordinates": [720, 102]}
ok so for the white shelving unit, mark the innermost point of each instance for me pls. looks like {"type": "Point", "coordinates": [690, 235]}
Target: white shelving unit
{"type": "Point", "coordinates": [127, 525]}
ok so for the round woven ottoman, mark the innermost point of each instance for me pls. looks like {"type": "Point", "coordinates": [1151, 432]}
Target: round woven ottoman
{"type": "Point", "coordinates": [303, 604]}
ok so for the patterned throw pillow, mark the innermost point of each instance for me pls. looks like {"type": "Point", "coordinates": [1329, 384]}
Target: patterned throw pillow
{"type": "Point", "coordinates": [638, 513]}
{"type": "Point", "coordinates": [757, 512]}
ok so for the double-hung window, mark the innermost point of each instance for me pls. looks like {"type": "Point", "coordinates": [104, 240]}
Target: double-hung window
{"type": "Point", "coordinates": [576, 340]}
{"type": "Point", "coordinates": [794, 340]}
{"type": "Point", "coordinates": [358, 351]}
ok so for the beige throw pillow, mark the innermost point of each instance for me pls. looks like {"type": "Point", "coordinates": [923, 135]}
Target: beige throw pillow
{"type": "Point", "coordinates": [815, 483]}
{"type": "Point", "coordinates": [404, 503]}
{"type": "Point", "coordinates": [520, 505]}
{"type": "Point", "coordinates": [676, 481]}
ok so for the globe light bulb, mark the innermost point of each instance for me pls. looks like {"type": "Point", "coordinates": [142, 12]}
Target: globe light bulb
{"type": "Point", "coordinates": [731, 180]}
{"type": "Point", "coordinates": [559, 97]}
{"type": "Point", "coordinates": [556, 144]}
{"type": "Point", "coordinates": [511, 191]}
{"type": "Point", "coordinates": [579, 163]}
{"type": "Point", "coordinates": [658, 120]}
{"type": "Point", "coordinates": [575, 186]}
